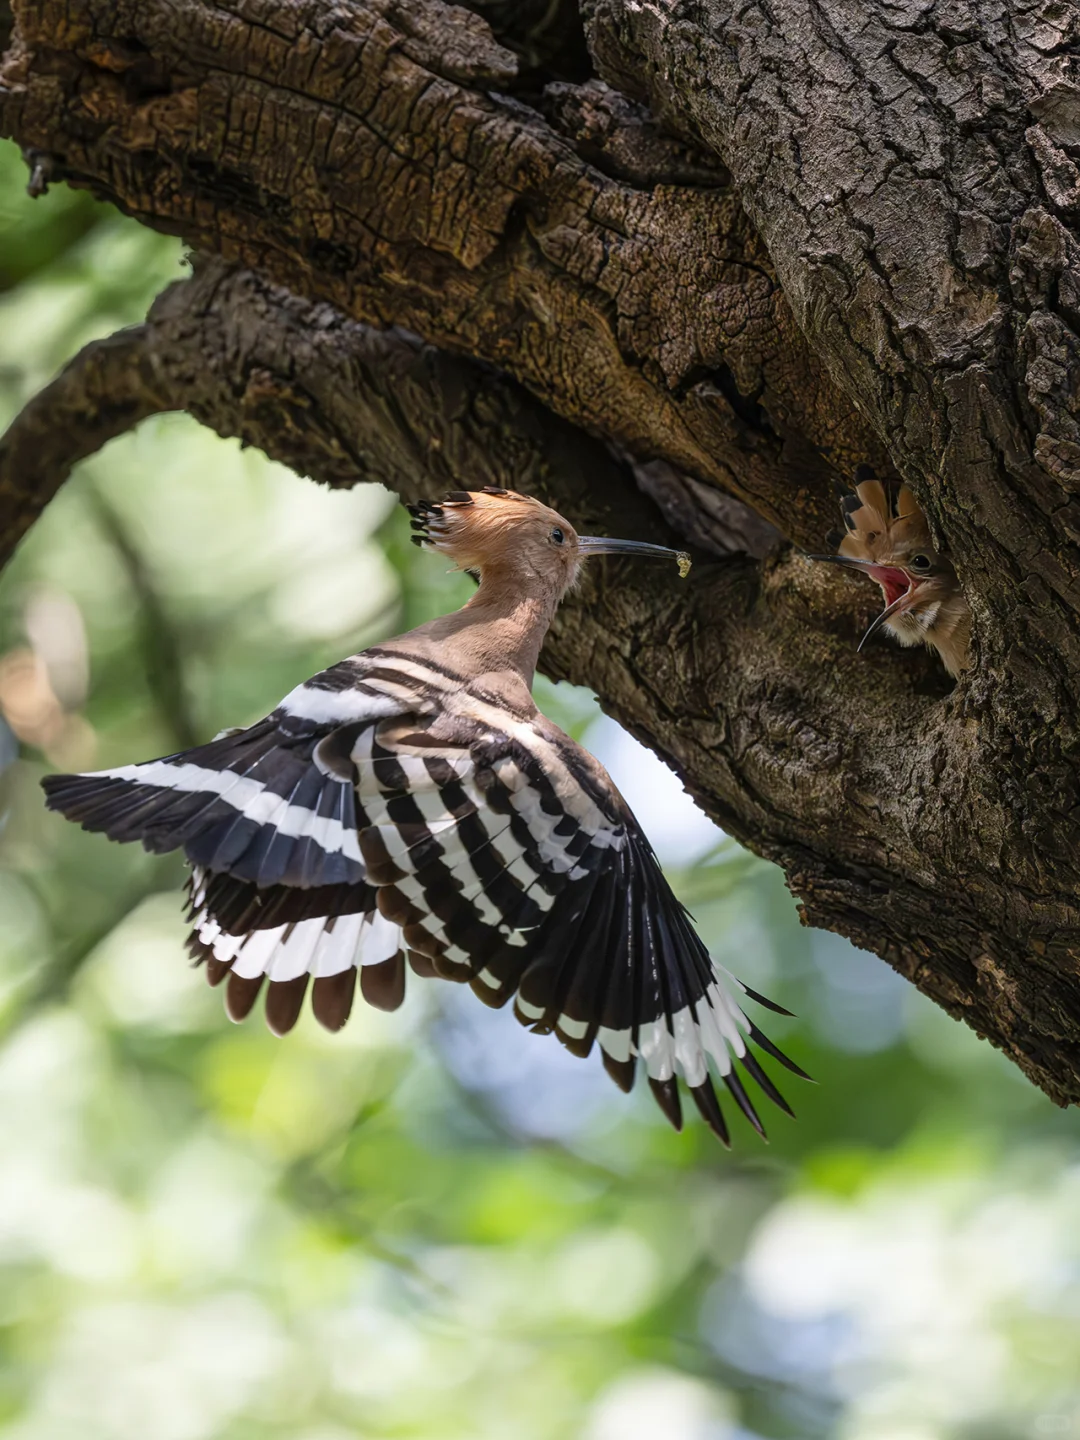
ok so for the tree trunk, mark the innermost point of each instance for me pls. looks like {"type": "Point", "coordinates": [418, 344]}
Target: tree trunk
{"type": "Point", "coordinates": [760, 245]}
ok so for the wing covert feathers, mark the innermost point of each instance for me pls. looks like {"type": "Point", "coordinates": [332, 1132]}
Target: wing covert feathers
{"type": "Point", "coordinates": [391, 816]}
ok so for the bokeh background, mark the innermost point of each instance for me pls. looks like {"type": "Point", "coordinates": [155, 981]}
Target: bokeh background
{"type": "Point", "coordinates": [434, 1225]}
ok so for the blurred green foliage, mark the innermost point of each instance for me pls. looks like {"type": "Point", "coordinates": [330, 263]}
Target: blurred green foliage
{"type": "Point", "coordinates": [434, 1225]}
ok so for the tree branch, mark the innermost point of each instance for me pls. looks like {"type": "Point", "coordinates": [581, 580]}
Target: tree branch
{"type": "Point", "coordinates": [743, 678]}
{"type": "Point", "coordinates": [414, 191]}
{"type": "Point", "coordinates": [106, 390]}
{"type": "Point", "coordinates": [547, 36]}
{"type": "Point", "coordinates": [914, 175]}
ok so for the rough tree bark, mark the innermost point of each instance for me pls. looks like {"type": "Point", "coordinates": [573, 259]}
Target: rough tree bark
{"type": "Point", "coordinates": [760, 244]}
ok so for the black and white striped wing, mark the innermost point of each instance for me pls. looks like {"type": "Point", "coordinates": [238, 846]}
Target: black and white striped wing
{"type": "Point", "coordinates": [510, 861]}
{"type": "Point", "coordinates": [270, 804]}
{"type": "Point", "coordinates": [270, 818]}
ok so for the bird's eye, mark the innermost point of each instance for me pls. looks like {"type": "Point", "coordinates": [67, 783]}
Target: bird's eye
{"type": "Point", "coordinates": [558, 536]}
{"type": "Point", "coordinates": [920, 562]}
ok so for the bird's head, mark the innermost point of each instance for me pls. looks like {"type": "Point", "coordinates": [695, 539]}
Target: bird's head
{"type": "Point", "coordinates": [500, 534]}
{"type": "Point", "coordinates": [887, 538]}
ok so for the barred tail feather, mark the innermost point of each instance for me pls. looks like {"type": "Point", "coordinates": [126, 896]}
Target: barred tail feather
{"type": "Point", "coordinates": [327, 948]}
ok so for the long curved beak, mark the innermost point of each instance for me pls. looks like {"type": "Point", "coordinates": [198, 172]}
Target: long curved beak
{"type": "Point", "coordinates": [898, 605]}
{"type": "Point", "coordinates": [601, 545]}
{"type": "Point", "coordinates": [869, 567]}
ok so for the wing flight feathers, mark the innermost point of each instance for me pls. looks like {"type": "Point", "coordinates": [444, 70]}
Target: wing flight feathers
{"type": "Point", "coordinates": [514, 879]}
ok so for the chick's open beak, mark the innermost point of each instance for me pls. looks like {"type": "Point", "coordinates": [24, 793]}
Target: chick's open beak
{"type": "Point", "coordinates": [885, 575]}
{"type": "Point", "coordinates": [891, 578]}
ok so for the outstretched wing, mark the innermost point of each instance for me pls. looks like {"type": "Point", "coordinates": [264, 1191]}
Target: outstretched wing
{"type": "Point", "coordinates": [270, 817]}
{"type": "Point", "coordinates": [510, 861]}
{"type": "Point", "coordinates": [271, 804]}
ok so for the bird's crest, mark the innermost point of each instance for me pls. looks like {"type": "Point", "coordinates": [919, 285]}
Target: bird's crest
{"type": "Point", "coordinates": [474, 527]}
{"type": "Point", "coordinates": [882, 520]}
{"type": "Point", "coordinates": [434, 520]}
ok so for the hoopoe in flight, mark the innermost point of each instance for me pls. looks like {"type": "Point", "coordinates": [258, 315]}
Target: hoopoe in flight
{"type": "Point", "coordinates": [887, 538]}
{"type": "Point", "coordinates": [412, 805]}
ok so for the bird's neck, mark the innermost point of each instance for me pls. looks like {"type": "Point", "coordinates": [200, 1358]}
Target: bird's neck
{"type": "Point", "coordinates": [500, 629]}
{"type": "Point", "coordinates": [951, 635]}
{"type": "Point", "coordinates": [942, 620]}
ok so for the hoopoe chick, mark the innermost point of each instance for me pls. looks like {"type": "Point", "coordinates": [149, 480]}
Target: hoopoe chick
{"type": "Point", "coordinates": [887, 538]}
{"type": "Point", "coordinates": [410, 806]}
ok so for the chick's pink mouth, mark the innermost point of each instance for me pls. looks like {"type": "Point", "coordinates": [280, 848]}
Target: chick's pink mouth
{"type": "Point", "coordinates": [893, 582]}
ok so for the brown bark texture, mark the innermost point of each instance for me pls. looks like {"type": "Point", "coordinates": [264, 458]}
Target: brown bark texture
{"type": "Point", "coordinates": [675, 284]}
